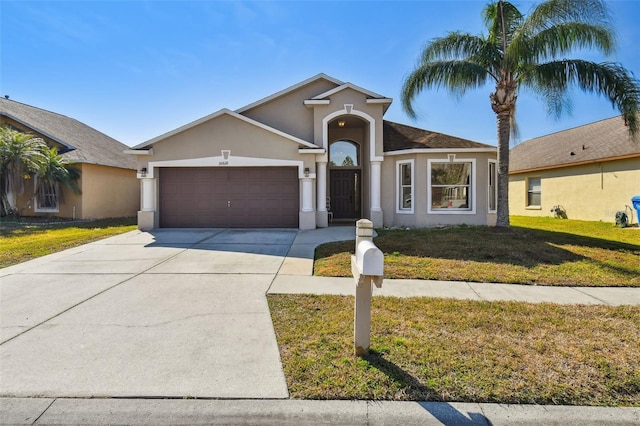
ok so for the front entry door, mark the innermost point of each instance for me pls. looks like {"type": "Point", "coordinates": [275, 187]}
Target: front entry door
{"type": "Point", "coordinates": [345, 194]}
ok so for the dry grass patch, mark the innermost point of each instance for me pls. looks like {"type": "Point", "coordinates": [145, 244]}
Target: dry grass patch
{"type": "Point", "coordinates": [533, 251]}
{"type": "Point", "coordinates": [446, 350]}
{"type": "Point", "coordinates": [27, 240]}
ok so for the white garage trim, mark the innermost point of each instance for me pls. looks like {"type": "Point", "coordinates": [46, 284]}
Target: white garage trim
{"type": "Point", "coordinates": [230, 161]}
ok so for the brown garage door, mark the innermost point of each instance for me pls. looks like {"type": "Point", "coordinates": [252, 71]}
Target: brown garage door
{"type": "Point", "coordinates": [229, 197]}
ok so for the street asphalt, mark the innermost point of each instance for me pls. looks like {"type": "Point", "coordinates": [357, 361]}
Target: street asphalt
{"type": "Point", "coordinates": [173, 327]}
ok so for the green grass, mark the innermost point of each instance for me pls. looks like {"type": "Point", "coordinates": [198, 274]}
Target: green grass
{"type": "Point", "coordinates": [447, 350]}
{"type": "Point", "coordinates": [540, 251]}
{"type": "Point", "coordinates": [32, 238]}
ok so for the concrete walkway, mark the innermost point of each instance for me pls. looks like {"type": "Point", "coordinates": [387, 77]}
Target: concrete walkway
{"type": "Point", "coordinates": [176, 314]}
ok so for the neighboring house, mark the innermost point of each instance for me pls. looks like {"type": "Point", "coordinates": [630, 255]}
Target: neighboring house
{"type": "Point", "coordinates": [108, 176]}
{"type": "Point", "coordinates": [591, 172]}
{"type": "Point", "coordinates": [316, 152]}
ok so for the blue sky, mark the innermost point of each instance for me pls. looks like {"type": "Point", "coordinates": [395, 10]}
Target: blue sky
{"type": "Point", "coordinates": [137, 69]}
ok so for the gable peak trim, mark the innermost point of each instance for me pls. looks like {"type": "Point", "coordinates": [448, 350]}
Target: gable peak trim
{"type": "Point", "coordinates": [345, 86]}
{"type": "Point", "coordinates": [217, 114]}
{"type": "Point", "coordinates": [289, 89]}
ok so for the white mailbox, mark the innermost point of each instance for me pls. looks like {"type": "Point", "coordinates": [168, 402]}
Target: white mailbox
{"type": "Point", "coordinates": [369, 259]}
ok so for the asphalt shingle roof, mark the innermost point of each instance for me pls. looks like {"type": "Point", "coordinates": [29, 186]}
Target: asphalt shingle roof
{"type": "Point", "coordinates": [598, 141]}
{"type": "Point", "coordinates": [399, 137]}
{"type": "Point", "coordinates": [85, 144]}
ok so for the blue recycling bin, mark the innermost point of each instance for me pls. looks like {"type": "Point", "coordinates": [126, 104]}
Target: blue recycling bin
{"type": "Point", "coordinates": [635, 201]}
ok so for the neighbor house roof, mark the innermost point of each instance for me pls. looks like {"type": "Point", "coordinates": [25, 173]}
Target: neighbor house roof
{"type": "Point", "coordinates": [400, 137]}
{"type": "Point", "coordinates": [83, 144]}
{"type": "Point", "coordinates": [603, 140]}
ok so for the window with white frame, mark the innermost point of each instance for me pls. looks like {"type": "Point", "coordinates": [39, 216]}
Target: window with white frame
{"type": "Point", "coordinates": [404, 185]}
{"type": "Point", "coordinates": [46, 197]}
{"type": "Point", "coordinates": [451, 185]}
{"type": "Point", "coordinates": [534, 192]}
{"type": "Point", "coordinates": [493, 186]}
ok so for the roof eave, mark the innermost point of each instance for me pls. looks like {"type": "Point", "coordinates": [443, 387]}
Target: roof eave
{"type": "Point", "coordinates": [42, 132]}
{"type": "Point", "coordinates": [439, 151]}
{"type": "Point", "coordinates": [578, 163]}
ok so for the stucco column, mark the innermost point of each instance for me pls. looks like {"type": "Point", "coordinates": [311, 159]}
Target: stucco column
{"type": "Point", "coordinates": [307, 194]}
{"type": "Point", "coordinates": [321, 186]}
{"type": "Point", "coordinates": [148, 194]}
{"type": "Point", "coordinates": [375, 186]}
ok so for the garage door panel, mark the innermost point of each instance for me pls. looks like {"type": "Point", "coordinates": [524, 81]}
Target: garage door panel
{"type": "Point", "coordinates": [229, 197]}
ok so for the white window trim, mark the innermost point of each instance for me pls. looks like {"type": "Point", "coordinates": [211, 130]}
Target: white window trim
{"type": "Point", "coordinates": [399, 208]}
{"type": "Point", "coordinates": [36, 207]}
{"type": "Point", "coordinates": [495, 184]}
{"type": "Point", "coordinates": [451, 158]}
{"type": "Point", "coordinates": [526, 196]}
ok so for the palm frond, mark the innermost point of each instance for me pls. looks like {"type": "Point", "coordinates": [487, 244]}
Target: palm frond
{"type": "Point", "coordinates": [556, 12]}
{"type": "Point", "coordinates": [59, 170]}
{"type": "Point", "coordinates": [455, 45]}
{"type": "Point", "coordinates": [561, 39]}
{"type": "Point", "coordinates": [456, 76]}
{"type": "Point", "coordinates": [610, 80]}
{"type": "Point", "coordinates": [501, 19]}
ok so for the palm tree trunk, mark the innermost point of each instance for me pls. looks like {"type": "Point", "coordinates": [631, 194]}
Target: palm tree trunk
{"type": "Point", "coordinates": [504, 131]}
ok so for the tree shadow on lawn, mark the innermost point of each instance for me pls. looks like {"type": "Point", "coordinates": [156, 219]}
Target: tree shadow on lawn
{"type": "Point", "coordinates": [515, 246]}
{"type": "Point", "coordinates": [426, 397]}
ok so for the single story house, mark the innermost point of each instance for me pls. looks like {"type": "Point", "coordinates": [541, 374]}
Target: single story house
{"type": "Point", "coordinates": [315, 152]}
{"type": "Point", "coordinates": [108, 183]}
{"type": "Point", "coordinates": [590, 172]}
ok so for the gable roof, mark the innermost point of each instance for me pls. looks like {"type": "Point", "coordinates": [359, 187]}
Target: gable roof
{"type": "Point", "coordinates": [400, 137]}
{"type": "Point", "coordinates": [216, 114]}
{"type": "Point", "coordinates": [289, 89]}
{"type": "Point", "coordinates": [602, 140]}
{"type": "Point", "coordinates": [83, 144]}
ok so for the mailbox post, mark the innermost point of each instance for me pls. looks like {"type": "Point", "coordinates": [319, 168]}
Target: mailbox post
{"type": "Point", "coordinates": [367, 267]}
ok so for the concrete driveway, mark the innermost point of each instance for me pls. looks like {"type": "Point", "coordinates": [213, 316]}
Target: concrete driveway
{"type": "Point", "coordinates": [172, 313]}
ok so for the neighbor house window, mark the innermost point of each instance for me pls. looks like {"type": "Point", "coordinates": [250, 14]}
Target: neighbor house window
{"type": "Point", "coordinates": [451, 186]}
{"type": "Point", "coordinates": [493, 186]}
{"type": "Point", "coordinates": [534, 192]}
{"type": "Point", "coordinates": [404, 185]}
{"type": "Point", "coordinates": [46, 196]}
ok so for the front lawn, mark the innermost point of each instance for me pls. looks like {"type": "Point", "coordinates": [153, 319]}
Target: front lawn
{"type": "Point", "coordinates": [31, 238]}
{"type": "Point", "coordinates": [542, 251]}
{"type": "Point", "coordinates": [469, 351]}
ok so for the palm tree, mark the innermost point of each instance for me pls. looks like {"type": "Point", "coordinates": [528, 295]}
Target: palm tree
{"type": "Point", "coordinates": [55, 170]}
{"type": "Point", "coordinates": [20, 156]}
{"type": "Point", "coordinates": [527, 51]}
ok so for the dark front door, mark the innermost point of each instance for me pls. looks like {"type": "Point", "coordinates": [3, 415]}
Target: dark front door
{"type": "Point", "coordinates": [345, 194]}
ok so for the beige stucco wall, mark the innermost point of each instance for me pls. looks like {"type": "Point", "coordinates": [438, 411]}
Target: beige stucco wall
{"type": "Point", "coordinates": [421, 218]}
{"type": "Point", "coordinates": [109, 192]}
{"type": "Point", "coordinates": [106, 192]}
{"type": "Point", "coordinates": [208, 139]}
{"type": "Point", "coordinates": [588, 192]}
{"type": "Point", "coordinates": [288, 113]}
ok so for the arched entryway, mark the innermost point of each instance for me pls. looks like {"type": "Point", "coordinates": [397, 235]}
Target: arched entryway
{"type": "Point", "coordinates": [345, 179]}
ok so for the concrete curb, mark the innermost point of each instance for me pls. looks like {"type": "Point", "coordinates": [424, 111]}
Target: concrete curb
{"type": "Point", "coordinates": [43, 411]}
